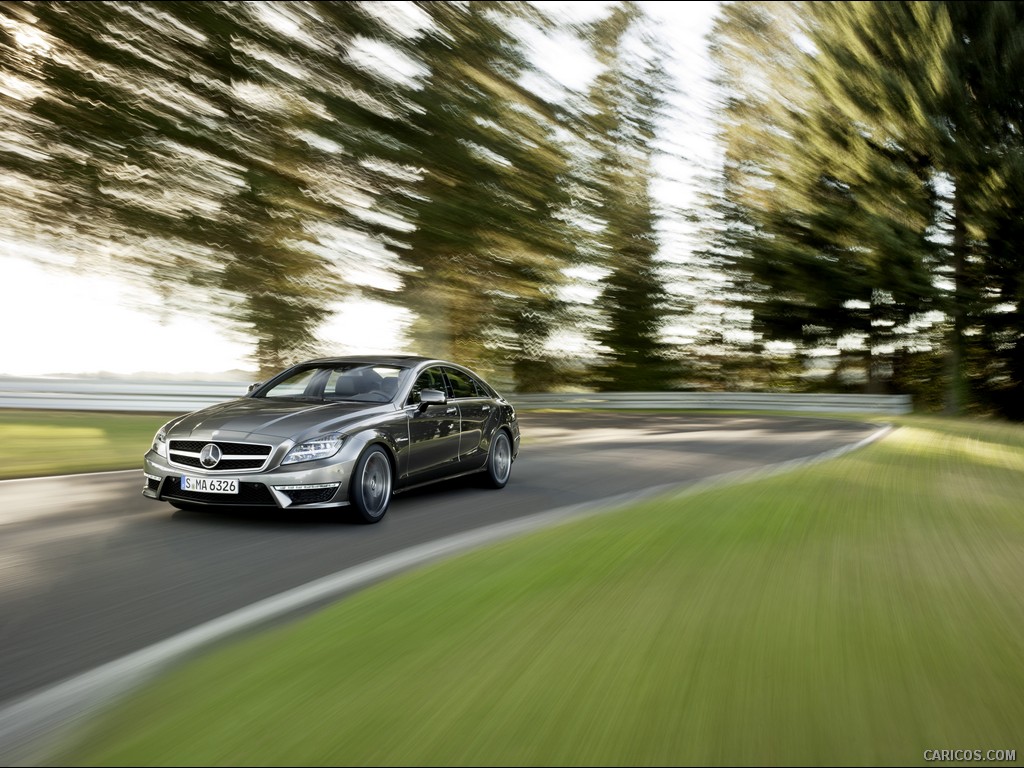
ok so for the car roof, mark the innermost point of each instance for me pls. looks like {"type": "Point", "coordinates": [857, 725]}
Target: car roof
{"type": "Point", "coordinates": [405, 361]}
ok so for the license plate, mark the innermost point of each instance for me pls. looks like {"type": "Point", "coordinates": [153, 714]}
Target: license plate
{"type": "Point", "coordinates": [209, 484]}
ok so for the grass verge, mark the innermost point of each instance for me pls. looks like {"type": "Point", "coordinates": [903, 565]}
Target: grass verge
{"type": "Point", "coordinates": [34, 443]}
{"type": "Point", "coordinates": [859, 611]}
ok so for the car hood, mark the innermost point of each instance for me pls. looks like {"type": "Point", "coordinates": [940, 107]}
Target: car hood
{"type": "Point", "coordinates": [271, 417]}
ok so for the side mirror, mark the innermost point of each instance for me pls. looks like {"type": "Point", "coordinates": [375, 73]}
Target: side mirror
{"type": "Point", "coordinates": [252, 387]}
{"type": "Point", "coordinates": [430, 397]}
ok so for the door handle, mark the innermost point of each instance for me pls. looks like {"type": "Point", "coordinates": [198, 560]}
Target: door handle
{"type": "Point", "coordinates": [452, 410]}
{"type": "Point", "coordinates": [486, 408]}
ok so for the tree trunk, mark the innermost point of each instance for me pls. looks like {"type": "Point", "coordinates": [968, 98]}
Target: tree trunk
{"type": "Point", "coordinates": [955, 347]}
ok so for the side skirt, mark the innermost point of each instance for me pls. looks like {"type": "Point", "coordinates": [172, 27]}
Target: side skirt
{"type": "Point", "coordinates": [439, 480]}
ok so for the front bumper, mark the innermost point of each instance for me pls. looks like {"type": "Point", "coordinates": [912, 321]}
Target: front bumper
{"type": "Point", "coordinates": [316, 485]}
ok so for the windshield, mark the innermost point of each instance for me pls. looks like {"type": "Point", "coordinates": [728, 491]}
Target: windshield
{"type": "Point", "coordinates": [348, 382]}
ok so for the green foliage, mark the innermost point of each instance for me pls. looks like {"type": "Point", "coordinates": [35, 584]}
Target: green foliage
{"type": "Point", "coordinates": [625, 105]}
{"type": "Point", "coordinates": [487, 245]}
{"type": "Point", "coordinates": [265, 160]}
{"type": "Point", "coordinates": [872, 177]}
{"type": "Point", "coordinates": [202, 144]}
{"type": "Point", "coordinates": [814, 221]}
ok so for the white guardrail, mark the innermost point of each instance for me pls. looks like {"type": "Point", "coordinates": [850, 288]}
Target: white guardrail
{"type": "Point", "coordinates": [179, 397]}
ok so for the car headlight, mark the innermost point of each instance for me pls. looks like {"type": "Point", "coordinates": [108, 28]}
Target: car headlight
{"type": "Point", "coordinates": [319, 448]}
{"type": "Point", "coordinates": [160, 442]}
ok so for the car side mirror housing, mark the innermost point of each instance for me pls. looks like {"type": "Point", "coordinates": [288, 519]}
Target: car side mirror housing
{"type": "Point", "coordinates": [252, 387]}
{"type": "Point", "coordinates": [430, 397]}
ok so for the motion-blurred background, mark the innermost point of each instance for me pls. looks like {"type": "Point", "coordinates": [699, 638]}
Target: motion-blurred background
{"type": "Point", "coordinates": [565, 196]}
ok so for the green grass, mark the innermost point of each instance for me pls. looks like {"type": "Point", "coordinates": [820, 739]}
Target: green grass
{"type": "Point", "coordinates": [34, 443]}
{"type": "Point", "coordinates": [858, 611]}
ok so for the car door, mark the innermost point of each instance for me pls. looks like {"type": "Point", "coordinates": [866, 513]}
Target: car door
{"type": "Point", "coordinates": [476, 408]}
{"type": "Point", "coordinates": [433, 430]}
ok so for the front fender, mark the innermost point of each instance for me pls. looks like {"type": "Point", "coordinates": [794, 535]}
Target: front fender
{"type": "Point", "coordinates": [391, 439]}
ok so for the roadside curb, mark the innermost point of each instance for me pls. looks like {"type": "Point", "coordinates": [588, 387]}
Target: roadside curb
{"type": "Point", "coordinates": [29, 726]}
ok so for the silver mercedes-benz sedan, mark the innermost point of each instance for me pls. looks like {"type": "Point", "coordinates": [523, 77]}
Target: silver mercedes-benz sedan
{"type": "Point", "coordinates": [336, 432]}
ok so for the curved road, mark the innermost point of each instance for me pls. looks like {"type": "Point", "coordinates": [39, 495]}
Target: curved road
{"type": "Point", "coordinates": [91, 571]}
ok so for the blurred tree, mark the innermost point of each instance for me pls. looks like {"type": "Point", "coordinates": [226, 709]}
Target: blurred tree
{"type": "Point", "coordinates": [207, 144]}
{"type": "Point", "coordinates": [871, 150]}
{"type": "Point", "coordinates": [937, 86]}
{"type": "Point", "coordinates": [261, 161]}
{"type": "Point", "coordinates": [811, 209]}
{"type": "Point", "coordinates": [986, 163]}
{"type": "Point", "coordinates": [619, 122]}
{"type": "Point", "coordinates": [758, 78]}
{"type": "Point", "coordinates": [317, 107]}
{"type": "Point", "coordinates": [488, 241]}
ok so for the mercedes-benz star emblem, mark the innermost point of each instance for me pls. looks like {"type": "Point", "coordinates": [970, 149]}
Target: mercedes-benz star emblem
{"type": "Point", "coordinates": [209, 457]}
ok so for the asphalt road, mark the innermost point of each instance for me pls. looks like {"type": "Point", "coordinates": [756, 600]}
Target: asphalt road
{"type": "Point", "coordinates": [91, 571]}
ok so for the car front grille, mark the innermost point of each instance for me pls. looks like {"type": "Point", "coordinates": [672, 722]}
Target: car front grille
{"type": "Point", "coordinates": [235, 456]}
{"type": "Point", "coordinates": [222, 466]}
{"type": "Point", "coordinates": [249, 494]}
{"type": "Point", "coordinates": [234, 449]}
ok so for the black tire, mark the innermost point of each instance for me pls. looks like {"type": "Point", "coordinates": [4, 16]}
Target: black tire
{"type": "Point", "coordinates": [499, 460]}
{"type": "Point", "coordinates": [371, 485]}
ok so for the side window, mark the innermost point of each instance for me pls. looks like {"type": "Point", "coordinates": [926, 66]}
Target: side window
{"type": "Point", "coordinates": [462, 385]}
{"type": "Point", "coordinates": [432, 378]}
{"type": "Point", "coordinates": [480, 387]}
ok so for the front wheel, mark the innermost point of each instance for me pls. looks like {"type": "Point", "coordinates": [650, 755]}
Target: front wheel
{"type": "Point", "coordinates": [499, 460]}
{"type": "Point", "coordinates": [370, 489]}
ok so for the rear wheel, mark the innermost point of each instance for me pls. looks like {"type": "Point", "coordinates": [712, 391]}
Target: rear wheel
{"type": "Point", "coordinates": [370, 488]}
{"type": "Point", "coordinates": [499, 460]}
